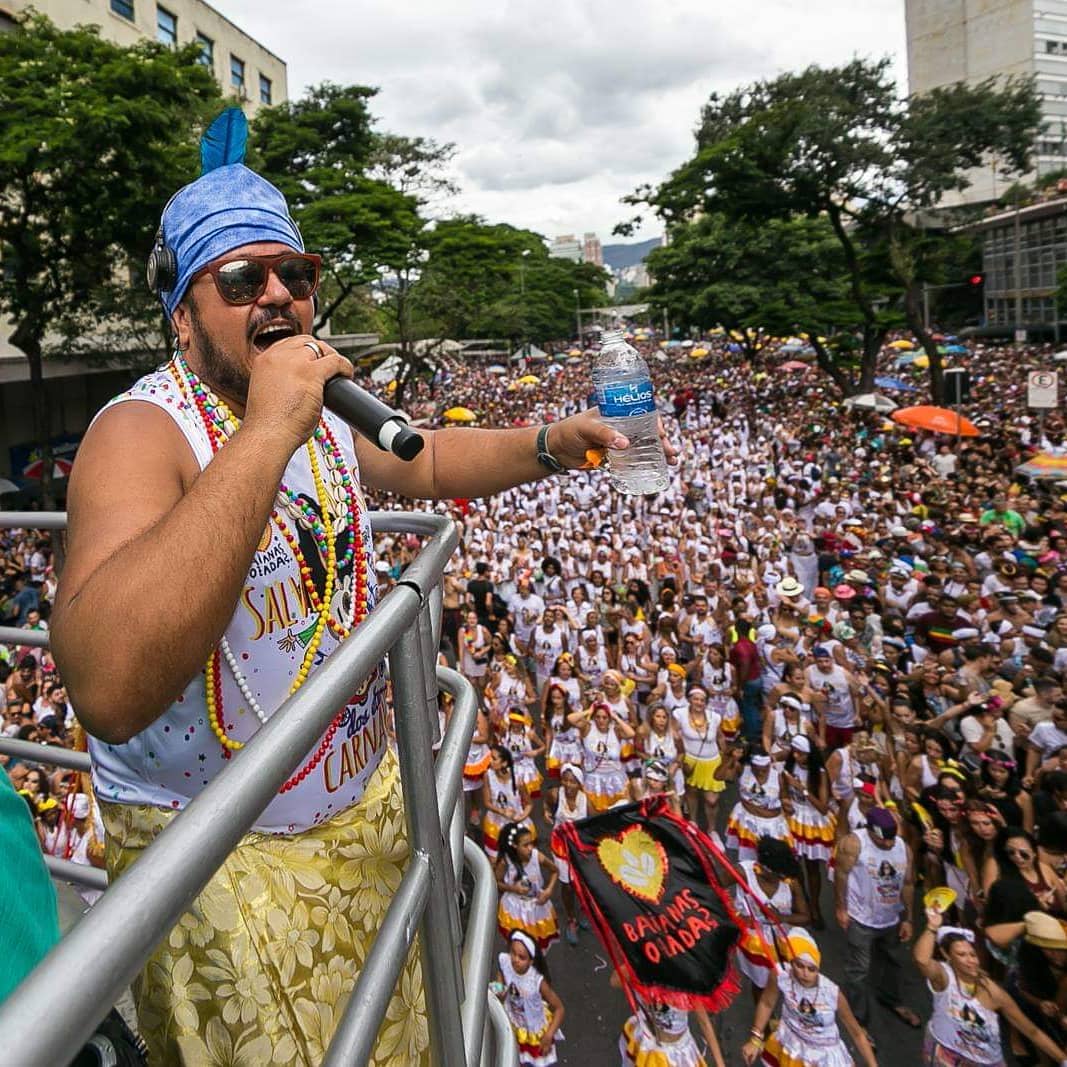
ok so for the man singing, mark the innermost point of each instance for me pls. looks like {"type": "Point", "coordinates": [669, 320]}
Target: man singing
{"type": "Point", "coordinates": [219, 551]}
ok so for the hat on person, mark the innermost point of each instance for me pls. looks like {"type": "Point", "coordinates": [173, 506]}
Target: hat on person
{"type": "Point", "coordinates": [48, 804]}
{"type": "Point", "coordinates": [858, 577]}
{"type": "Point", "coordinates": [800, 743]}
{"type": "Point", "coordinates": [844, 592]}
{"type": "Point", "coordinates": [843, 631]}
{"type": "Point", "coordinates": [802, 945]}
{"type": "Point", "coordinates": [1042, 930]}
{"type": "Point", "coordinates": [655, 771]}
{"type": "Point", "coordinates": [821, 590]}
{"type": "Point", "coordinates": [777, 857]}
{"type": "Point", "coordinates": [881, 824]}
{"type": "Point", "coordinates": [821, 652]}
{"type": "Point", "coordinates": [789, 587]}
{"type": "Point", "coordinates": [381, 566]}
{"type": "Point", "coordinates": [574, 769]}
{"type": "Point", "coordinates": [223, 209]}
{"type": "Point", "coordinates": [79, 807]}
{"type": "Point", "coordinates": [767, 632]}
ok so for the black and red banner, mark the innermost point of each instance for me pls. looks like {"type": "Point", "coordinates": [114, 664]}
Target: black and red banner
{"type": "Point", "coordinates": [646, 878]}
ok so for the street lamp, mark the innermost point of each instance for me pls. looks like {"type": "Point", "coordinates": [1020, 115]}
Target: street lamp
{"type": "Point", "coordinates": [578, 315]}
{"type": "Point", "coordinates": [522, 290]}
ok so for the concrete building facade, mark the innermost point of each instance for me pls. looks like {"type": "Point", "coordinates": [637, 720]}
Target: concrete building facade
{"type": "Point", "coordinates": [592, 250]}
{"type": "Point", "coordinates": [241, 65]}
{"type": "Point", "coordinates": [566, 246]}
{"type": "Point", "coordinates": [970, 40]}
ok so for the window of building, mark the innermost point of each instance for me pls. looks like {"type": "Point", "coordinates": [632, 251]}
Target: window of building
{"type": "Point", "coordinates": [264, 89]}
{"type": "Point", "coordinates": [237, 73]}
{"type": "Point", "coordinates": [207, 49]}
{"type": "Point", "coordinates": [166, 26]}
{"type": "Point", "coordinates": [123, 8]}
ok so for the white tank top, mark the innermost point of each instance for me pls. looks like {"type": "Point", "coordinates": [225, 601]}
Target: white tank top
{"type": "Point", "coordinates": [781, 900]}
{"type": "Point", "coordinates": [564, 813]}
{"type": "Point", "coordinates": [522, 996]}
{"type": "Point", "coordinates": [876, 883]}
{"type": "Point", "coordinates": [661, 747]}
{"type": "Point", "coordinates": [964, 1024]}
{"type": "Point", "coordinates": [811, 1014]}
{"type": "Point", "coordinates": [503, 793]}
{"type": "Point", "coordinates": [703, 743]}
{"type": "Point", "coordinates": [602, 751]}
{"type": "Point", "coordinates": [766, 794]}
{"type": "Point", "coordinates": [171, 761]}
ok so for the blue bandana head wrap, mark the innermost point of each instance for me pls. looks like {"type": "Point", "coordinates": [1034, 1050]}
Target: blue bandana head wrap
{"type": "Point", "coordinates": [223, 209]}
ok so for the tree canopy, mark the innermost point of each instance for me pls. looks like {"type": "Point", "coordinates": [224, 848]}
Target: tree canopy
{"type": "Point", "coordinates": [93, 139]}
{"type": "Point", "coordinates": [839, 144]}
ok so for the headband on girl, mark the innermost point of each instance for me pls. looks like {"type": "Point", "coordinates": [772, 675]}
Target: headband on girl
{"type": "Point", "coordinates": [946, 931]}
{"type": "Point", "coordinates": [800, 744]}
{"type": "Point", "coordinates": [526, 941]}
{"type": "Point", "coordinates": [517, 717]}
{"type": "Point", "coordinates": [574, 769]}
{"type": "Point", "coordinates": [761, 760]}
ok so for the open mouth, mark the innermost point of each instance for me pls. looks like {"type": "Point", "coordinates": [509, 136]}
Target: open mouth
{"type": "Point", "coordinates": [270, 333]}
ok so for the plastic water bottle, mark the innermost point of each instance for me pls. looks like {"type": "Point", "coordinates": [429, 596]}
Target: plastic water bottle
{"type": "Point", "coordinates": [622, 385]}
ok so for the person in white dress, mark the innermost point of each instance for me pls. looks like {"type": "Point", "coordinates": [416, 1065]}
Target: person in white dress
{"type": "Point", "coordinates": [964, 1029]}
{"type": "Point", "coordinates": [573, 805]}
{"type": "Point", "coordinates": [523, 986]}
{"type": "Point", "coordinates": [811, 1007]}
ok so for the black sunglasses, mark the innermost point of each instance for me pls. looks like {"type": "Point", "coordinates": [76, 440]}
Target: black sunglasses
{"type": "Point", "coordinates": [244, 280]}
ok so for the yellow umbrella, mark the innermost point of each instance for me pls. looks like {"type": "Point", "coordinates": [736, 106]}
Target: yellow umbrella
{"type": "Point", "coordinates": [529, 379]}
{"type": "Point", "coordinates": [460, 415]}
{"type": "Point", "coordinates": [902, 345]}
{"type": "Point", "coordinates": [574, 352]}
{"type": "Point", "coordinates": [698, 353]}
{"type": "Point", "coordinates": [922, 362]}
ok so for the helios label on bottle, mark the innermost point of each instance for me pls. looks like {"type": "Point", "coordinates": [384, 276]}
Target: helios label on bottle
{"type": "Point", "coordinates": [626, 399]}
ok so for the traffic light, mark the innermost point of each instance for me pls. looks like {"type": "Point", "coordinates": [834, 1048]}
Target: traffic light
{"type": "Point", "coordinates": [975, 280]}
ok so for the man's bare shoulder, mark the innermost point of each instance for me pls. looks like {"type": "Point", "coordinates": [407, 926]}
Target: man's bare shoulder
{"type": "Point", "coordinates": [133, 466]}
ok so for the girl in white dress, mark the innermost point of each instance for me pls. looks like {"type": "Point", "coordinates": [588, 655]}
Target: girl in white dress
{"type": "Point", "coordinates": [657, 739]}
{"type": "Point", "coordinates": [603, 736]}
{"type": "Point", "coordinates": [563, 741]}
{"type": "Point", "coordinates": [758, 811]}
{"type": "Point", "coordinates": [525, 877]}
{"type": "Point", "coordinates": [811, 1006]}
{"type": "Point", "coordinates": [573, 805]}
{"type": "Point", "coordinates": [523, 986]}
{"type": "Point", "coordinates": [525, 746]}
{"type": "Point", "coordinates": [503, 799]}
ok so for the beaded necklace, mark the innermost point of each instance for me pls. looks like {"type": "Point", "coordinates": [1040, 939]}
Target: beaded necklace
{"type": "Point", "coordinates": [220, 424]}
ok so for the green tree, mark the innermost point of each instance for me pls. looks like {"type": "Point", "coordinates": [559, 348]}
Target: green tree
{"type": "Point", "coordinates": [93, 139]}
{"type": "Point", "coordinates": [779, 277]}
{"type": "Point", "coordinates": [840, 144]}
{"type": "Point", "coordinates": [318, 151]}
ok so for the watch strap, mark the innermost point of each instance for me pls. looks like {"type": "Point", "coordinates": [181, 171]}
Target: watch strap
{"type": "Point", "coordinates": [544, 457]}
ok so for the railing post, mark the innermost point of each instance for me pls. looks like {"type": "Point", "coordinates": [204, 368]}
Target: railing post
{"type": "Point", "coordinates": [440, 962]}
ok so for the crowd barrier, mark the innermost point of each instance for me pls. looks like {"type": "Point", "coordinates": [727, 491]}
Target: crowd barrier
{"type": "Point", "coordinates": [76, 984]}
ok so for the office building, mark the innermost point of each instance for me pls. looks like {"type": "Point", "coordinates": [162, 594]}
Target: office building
{"type": "Point", "coordinates": [592, 252]}
{"type": "Point", "coordinates": [242, 66]}
{"type": "Point", "coordinates": [566, 247]}
{"type": "Point", "coordinates": [970, 40]}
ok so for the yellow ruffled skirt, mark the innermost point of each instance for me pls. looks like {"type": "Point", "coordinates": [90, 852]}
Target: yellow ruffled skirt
{"type": "Point", "coordinates": [259, 969]}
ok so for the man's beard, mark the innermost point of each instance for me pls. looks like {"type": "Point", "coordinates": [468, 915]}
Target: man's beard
{"type": "Point", "coordinates": [217, 368]}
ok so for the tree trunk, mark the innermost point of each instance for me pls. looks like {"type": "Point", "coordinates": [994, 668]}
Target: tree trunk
{"type": "Point", "coordinates": [826, 365]}
{"type": "Point", "coordinates": [27, 339]}
{"type": "Point", "coordinates": [913, 314]}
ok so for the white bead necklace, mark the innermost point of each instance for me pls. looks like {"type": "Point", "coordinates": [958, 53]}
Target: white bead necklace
{"type": "Point", "coordinates": [239, 678]}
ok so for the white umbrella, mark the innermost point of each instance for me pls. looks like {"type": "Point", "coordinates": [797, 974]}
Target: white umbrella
{"type": "Point", "coordinates": [871, 402]}
{"type": "Point", "coordinates": [7, 486]}
{"type": "Point", "coordinates": [1061, 357]}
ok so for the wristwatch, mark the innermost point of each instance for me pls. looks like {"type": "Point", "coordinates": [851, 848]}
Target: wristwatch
{"type": "Point", "coordinates": [544, 457]}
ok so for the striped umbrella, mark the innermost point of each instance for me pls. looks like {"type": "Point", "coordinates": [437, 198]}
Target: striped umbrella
{"type": "Point", "coordinates": [1044, 465]}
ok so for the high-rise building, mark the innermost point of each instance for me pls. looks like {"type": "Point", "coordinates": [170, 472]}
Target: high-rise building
{"type": "Point", "coordinates": [971, 40]}
{"type": "Point", "coordinates": [592, 252]}
{"type": "Point", "coordinates": [241, 65]}
{"type": "Point", "coordinates": [566, 247]}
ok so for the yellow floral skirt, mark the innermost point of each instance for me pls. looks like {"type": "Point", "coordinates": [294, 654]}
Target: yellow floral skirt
{"type": "Point", "coordinates": [259, 970]}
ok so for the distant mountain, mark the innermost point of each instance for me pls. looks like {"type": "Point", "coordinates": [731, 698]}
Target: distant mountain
{"type": "Point", "coordinates": [618, 257]}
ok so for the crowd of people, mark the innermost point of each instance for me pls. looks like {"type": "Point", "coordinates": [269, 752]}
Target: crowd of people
{"type": "Point", "coordinates": [838, 645]}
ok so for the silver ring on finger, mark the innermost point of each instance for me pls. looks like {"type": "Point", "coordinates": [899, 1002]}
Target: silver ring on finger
{"type": "Point", "coordinates": [316, 348]}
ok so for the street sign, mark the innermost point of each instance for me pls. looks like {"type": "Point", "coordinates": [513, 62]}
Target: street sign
{"type": "Point", "coordinates": [1020, 336]}
{"type": "Point", "coordinates": [1042, 389]}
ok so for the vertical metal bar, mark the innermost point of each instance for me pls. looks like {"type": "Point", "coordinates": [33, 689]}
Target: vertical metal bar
{"type": "Point", "coordinates": [439, 955]}
{"type": "Point", "coordinates": [429, 675]}
{"type": "Point", "coordinates": [356, 1033]}
{"type": "Point", "coordinates": [436, 604]}
{"type": "Point", "coordinates": [478, 949]}
{"type": "Point", "coordinates": [505, 1047]}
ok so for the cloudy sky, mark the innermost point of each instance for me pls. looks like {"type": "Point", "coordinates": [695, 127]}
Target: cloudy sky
{"type": "Point", "coordinates": [558, 108]}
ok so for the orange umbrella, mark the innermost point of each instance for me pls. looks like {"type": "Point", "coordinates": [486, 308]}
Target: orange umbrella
{"type": "Point", "coordinates": [940, 420]}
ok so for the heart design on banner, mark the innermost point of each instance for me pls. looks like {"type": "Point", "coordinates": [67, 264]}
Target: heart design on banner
{"type": "Point", "coordinates": [636, 862]}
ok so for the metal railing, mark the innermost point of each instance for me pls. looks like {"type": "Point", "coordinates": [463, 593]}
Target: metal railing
{"type": "Point", "coordinates": [75, 985]}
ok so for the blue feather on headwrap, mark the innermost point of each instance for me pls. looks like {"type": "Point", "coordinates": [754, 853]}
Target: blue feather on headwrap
{"type": "Point", "coordinates": [224, 141]}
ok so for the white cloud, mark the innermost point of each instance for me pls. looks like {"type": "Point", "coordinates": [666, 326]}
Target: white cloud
{"type": "Point", "coordinates": [559, 108]}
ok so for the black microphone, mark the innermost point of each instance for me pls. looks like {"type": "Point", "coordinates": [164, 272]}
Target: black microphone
{"type": "Point", "coordinates": [363, 411]}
